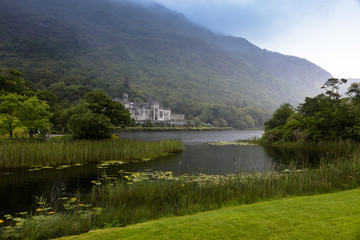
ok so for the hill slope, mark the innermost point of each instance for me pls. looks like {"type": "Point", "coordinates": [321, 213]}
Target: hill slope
{"type": "Point", "coordinates": [123, 47]}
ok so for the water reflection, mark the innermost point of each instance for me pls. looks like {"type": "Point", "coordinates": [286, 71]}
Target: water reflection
{"type": "Point", "coordinates": [208, 159]}
{"type": "Point", "coordinates": [299, 158]}
{"type": "Point", "coordinates": [195, 137]}
{"type": "Point", "coordinates": [18, 190]}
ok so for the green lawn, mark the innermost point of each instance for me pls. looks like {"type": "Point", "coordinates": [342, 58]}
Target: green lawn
{"type": "Point", "coordinates": [328, 216]}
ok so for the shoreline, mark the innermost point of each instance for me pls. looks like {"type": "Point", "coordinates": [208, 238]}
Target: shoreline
{"type": "Point", "coordinates": [171, 129]}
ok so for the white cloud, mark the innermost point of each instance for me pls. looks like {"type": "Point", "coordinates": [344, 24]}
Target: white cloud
{"type": "Point", "coordinates": [331, 40]}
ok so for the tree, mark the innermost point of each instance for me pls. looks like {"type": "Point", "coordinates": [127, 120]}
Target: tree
{"type": "Point", "coordinates": [332, 86]}
{"type": "Point", "coordinates": [189, 117]}
{"type": "Point", "coordinates": [206, 115]}
{"type": "Point", "coordinates": [95, 117]}
{"type": "Point", "coordinates": [259, 116]}
{"type": "Point", "coordinates": [197, 122]}
{"type": "Point", "coordinates": [35, 115]}
{"type": "Point", "coordinates": [126, 85]}
{"type": "Point", "coordinates": [280, 116]}
{"type": "Point", "coordinates": [58, 89]}
{"type": "Point", "coordinates": [99, 103]}
{"type": "Point", "coordinates": [60, 115]}
{"type": "Point", "coordinates": [62, 118]}
{"type": "Point", "coordinates": [313, 105]}
{"type": "Point", "coordinates": [11, 82]}
{"type": "Point", "coordinates": [119, 116]}
{"type": "Point", "coordinates": [47, 96]}
{"type": "Point", "coordinates": [249, 121]}
{"type": "Point", "coordinates": [219, 122]}
{"type": "Point", "coordinates": [31, 113]}
{"type": "Point", "coordinates": [148, 123]}
{"type": "Point", "coordinates": [90, 125]}
{"type": "Point", "coordinates": [354, 92]}
{"type": "Point", "coordinates": [10, 106]}
{"type": "Point", "coordinates": [74, 93]}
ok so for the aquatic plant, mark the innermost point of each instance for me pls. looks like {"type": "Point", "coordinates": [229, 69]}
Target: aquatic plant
{"type": "Point", "coordinates": [55, 153]}
{"type": "Point", "coordinates": [132, 197]}
{"type": "Point", "coordinates": [225, 143]}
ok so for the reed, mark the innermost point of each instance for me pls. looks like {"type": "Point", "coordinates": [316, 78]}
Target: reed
{"type": "Point", "coordinates": [143, 196]}
{"type": "Point", "coordinates": [131, 203]}
{"type": "Point", "coordinates": [339, 146]}
{"type": "Point", "coordinates": [42, 153]}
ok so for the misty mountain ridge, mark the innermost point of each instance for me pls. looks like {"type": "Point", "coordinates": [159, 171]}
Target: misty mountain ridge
{"type": "Point", "coordinates": [119, 46]}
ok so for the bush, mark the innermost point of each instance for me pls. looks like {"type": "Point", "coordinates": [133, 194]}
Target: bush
{"type": "Point", "coordinates": [280, 116]}
{"type": "Point", "coordinates": [90, 126]}
{"type": "Point", "coordinates": [352, 133]}
{"type": "Point", "coordinates": [274, 135]}
{"type": "Point", "coordinates": [288, 136]}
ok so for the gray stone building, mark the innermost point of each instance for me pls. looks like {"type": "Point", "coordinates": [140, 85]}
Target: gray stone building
{"type": "Point", "coordinates": [150, 110]}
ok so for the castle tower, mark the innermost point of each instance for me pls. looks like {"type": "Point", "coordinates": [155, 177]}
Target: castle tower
{"type": "Point", "coordinates": [125, 101]}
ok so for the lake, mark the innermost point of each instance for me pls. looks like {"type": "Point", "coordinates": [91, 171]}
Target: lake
{"type": "Point", "coordinates": [199, 157]}
{"type": "Point", "coordinates": [19, 188]}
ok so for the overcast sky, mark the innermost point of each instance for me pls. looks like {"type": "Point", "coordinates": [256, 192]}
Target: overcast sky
{"type": "Point", "coordinates": [326, 32]}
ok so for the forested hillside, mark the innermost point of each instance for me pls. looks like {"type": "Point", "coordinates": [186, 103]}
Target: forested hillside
{"type": "Point", "coordinates": [69, 47]}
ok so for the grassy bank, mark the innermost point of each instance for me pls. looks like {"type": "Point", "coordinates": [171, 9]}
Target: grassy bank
{"type": "Point", "coordinates": [329, 216]}
{"type": "Point", "coordinates": [140, 197]}
{"type": "Point", "coordinates": [44, 153]}
{"type": "Point", "coordinates": [170, 129]}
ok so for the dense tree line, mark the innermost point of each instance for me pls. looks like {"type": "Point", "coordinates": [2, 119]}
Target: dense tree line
{"type": "Point", "coordinates": [62, 97]}
{"type": "Point", "coordinates": [221, 115]}
{"type": "Point", "coordinates": [328, 116]}
{"type": "Point", "coordinates": [90, 114]}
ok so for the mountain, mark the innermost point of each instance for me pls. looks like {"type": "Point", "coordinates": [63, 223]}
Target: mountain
{"type": "Point", "coordinates": [119, 46]}
{"type": "Point", "coordinates": [344, 87]}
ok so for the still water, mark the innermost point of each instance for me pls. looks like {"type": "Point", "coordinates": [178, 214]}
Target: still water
{"type": "Point", "coordinates": [199, 157]}
{"type": "Point", "coordinates": [19, 188]}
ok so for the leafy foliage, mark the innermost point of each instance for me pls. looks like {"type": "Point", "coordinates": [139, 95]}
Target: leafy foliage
{"type": "Point", "coordinates": [9, 109]}
{"type": "Point", "coordinates": [95, 117]}
{"type": "Point", "coordinates": [90, 125]}
{"type": "Point", "coordinates": [11, 82]}
{"type": "Point", "coordinates": [332, 86]}
{"type": "Point", "coordinates": [99, 103]}
{"type": "Point", "coordinates": [28, 112]}
{"type": "Point", "coordinates": [280, 116]}
{"type": "Point", "coordinates": [354, 92]}
{"type": "Point", "coordinates": [35, 114]}
{"type": "Point", "coordinates": [321, 118]}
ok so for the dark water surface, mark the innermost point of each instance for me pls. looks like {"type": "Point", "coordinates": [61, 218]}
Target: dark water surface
{"type": "Point", "coordinates": [18, 189]}
{"type": "Point", "coordinates": [195, 137]}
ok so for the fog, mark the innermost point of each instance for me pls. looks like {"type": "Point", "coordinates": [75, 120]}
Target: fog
{"type": "Point", "coordinates": [326, 32]}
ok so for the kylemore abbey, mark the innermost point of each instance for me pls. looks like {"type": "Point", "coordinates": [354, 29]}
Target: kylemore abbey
{"type": "Point", "coordinates": [150, 110]}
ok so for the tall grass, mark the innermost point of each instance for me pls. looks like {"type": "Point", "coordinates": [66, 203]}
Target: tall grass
{"type": "Point", "coordinates": [339, 146]}
{"type": "Point", "coordinates": [132, 203]}
{"type": "Point", "coordinates": [30, 153]}
{"type": "Point", "coordinates": [127, 202]}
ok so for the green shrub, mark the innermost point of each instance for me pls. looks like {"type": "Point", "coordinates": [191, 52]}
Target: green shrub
{"type": "Point", "coordinates": [273, 135]}
{"type": "Point", "coordinates": [90, 126]}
